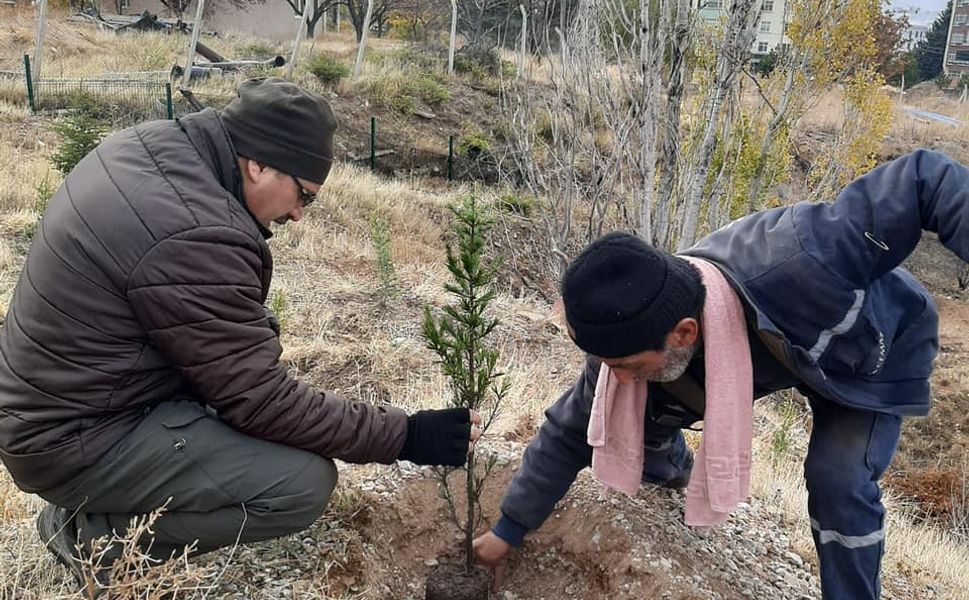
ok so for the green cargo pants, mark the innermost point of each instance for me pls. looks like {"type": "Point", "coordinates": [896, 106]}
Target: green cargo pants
{"type": "Point", "coordinates": [223, 485]}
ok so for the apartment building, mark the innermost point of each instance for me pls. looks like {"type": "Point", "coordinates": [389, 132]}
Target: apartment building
{"type": "Point", "coordinates": [955, 60]}
{"type": "Point", "coordinates": [919, 23]}
{"type": "Point", "coordinates": [771, 28]}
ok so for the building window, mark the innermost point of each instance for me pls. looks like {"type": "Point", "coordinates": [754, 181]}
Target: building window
{"type": "Point", "coordinates": [962, 56]}
{"type": "Point", "coordinates": [768, 6]}
{"type": "Point", "coordinates": [762, 47]}
{"type": "Point", "coordinates": [713, 4]}
{"type": "Point", "coordinates": [958, 39]}
{"type": "Point", "coordinates": [961, 19]}
{"type": "Point", "coordinates": [765, 26]}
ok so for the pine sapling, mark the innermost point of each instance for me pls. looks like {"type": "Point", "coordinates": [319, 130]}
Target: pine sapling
{"type": "Point", "coordinates": [459, 337]}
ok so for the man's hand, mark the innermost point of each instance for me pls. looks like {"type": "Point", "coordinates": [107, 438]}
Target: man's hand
{"type": "Point", "coordinates": [441, 437]}
{"type": "Point", "coordinates": [491, 551]}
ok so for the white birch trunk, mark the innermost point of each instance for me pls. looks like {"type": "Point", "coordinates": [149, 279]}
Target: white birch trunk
{"type": "Point", "coordinates": [454, 35]}
{"type": "Point", "coordinates": [35, 66]}
{"type": "Point", "coordinates": [363, 40]}
{"type": "Point", "coordinates": [738, 37]}
{"type": "Point", "coordinates": [681, 39]}
{"type": "Point", "coordinates": [294, 55]}
{"type": "Point", "coordinates": [521, 52]}
{"type": "Point", "coordinates": [196, 29]}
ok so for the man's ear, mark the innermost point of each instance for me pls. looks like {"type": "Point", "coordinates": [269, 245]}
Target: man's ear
{"type": "Point", "coordinates": [251, 170]}
{"type": "Point", "coordinates": [685, 333]}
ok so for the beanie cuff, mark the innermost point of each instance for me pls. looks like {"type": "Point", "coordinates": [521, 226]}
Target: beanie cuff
{"type": "Point", "coordinates": [276, 153]}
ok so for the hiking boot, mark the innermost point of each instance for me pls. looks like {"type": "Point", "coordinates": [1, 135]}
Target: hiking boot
{"type": "Point", "coordinates": [57, 531]}
{"type": "Point", "coordinates": [677, 482]}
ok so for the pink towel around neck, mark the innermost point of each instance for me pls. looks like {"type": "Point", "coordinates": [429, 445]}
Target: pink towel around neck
{"type": "Point", "coordinates": [721, 472]}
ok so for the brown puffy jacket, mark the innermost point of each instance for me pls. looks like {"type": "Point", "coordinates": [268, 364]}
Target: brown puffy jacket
{"type": "Point", "coordinates": [144, 282]}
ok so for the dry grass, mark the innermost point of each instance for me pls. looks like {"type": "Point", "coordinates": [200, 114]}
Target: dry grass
{"type": "Point", "coordinates": [909, 131]}
{"type": "Point", "coordinates": [924, 553]}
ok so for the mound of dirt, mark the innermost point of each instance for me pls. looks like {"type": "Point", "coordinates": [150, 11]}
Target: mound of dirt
{"type": "Point", "coordinates": [595, 544]}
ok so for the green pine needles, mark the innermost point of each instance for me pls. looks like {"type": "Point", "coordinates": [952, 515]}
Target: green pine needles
{"type": "Point", "coordinates": [380, 239]}
{"type": "Point", "coordinates": [459, 337]}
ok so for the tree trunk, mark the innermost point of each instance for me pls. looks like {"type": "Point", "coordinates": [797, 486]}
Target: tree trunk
{"type": "Point", "coordinates": [682, 37]}
{"type": "Point", "coordinates": [738, 38]}
{"type": "Point", "coordinates": [652, 41]}
{"type": "Point", "coordinates": [363, 39]}
{"type": "Point", "coordinates": [452, 38]}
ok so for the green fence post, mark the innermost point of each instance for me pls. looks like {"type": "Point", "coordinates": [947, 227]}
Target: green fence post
{"type": "Point", "coordinates": [30, 84]}
{"type": "Point", "coordinates": [450, 158]}
{"type": "Point", "coordinates": [169, 108]}
{"type": "Point", "coordinates": [373, 143]}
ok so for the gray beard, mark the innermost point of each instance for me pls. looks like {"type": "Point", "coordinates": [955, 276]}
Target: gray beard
{"type": "Point", "coordinates": [677, 360]}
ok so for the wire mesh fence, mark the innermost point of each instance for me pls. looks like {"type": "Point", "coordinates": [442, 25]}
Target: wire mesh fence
{"type": "Point", "coordinates": [16, 40]}
{"type": "Point", "coordinates": [119, 101]}
{"type": "Point", "coordinates": [66, 69]}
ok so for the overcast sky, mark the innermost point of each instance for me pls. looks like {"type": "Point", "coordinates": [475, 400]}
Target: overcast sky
{"type": "Point", "coordinates": [927, 5]}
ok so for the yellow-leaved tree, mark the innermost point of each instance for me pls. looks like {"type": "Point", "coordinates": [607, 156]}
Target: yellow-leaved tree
{"type": "Point", "coordinates": [837, 38]}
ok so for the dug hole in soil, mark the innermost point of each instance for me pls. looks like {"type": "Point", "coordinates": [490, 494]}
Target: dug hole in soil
{"type": "Point", "coordinates": [451, 581]}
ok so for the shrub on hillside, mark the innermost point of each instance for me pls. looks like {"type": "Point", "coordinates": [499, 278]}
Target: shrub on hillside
{"type": "Point", "coordinates": [327, 70]}
{"type": "Point", "coordinates": [256, 50]}
{"type": "Point", "coordinates": [473, 142]}
{"type": "Point", "coordinates": [422, 60]}
{"type": "Point", "coordinates": [431, 91]}
{"type": "Point", "coordinates": [401, 91]}
{"type": "Point", "coordinates": [513, 203]}
{"type": "Point", "coordinates": [479, 64]}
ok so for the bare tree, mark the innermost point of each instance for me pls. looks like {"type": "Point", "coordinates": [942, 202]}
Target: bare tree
{"type": "Point", "coordinates": [424, 17]}
{"type": "Point", "coordinates": [318, 9]}
{"type": "Point", "coordinates": [478, 23]}
{"type": "Point", "coordinates": [681, 37]}
{"type": "Point", "coordinates": [177, 8]}
{"type": "Point", "coordinates": [732, 55]}
{"type": "Point", "coordinates": [588, 146]}
{"type": "Point", "coordinates": [357, 11]}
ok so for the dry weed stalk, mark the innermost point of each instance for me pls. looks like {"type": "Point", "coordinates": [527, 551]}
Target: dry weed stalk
{"type": "Point", "coordinates": [130, 572]}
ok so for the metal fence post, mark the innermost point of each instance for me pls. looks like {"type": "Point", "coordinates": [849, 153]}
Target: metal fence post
{"type": "Point", "coordinates": [373, 143]}
{"type": "Point", "coordinates": [450, 158]}
{"type": "Point", "coordinates": [30, 84]}
{"type": "Point", "coordinates": [169, 108]}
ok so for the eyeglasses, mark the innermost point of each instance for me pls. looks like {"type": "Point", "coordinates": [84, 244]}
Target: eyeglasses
{"type": "Point", "coordinates": [306, 197]}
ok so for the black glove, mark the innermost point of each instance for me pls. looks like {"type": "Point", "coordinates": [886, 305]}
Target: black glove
{"type": "Point", "coordinates": [438, 437]}
{"type": "Point", "coordinates": [273, 321]}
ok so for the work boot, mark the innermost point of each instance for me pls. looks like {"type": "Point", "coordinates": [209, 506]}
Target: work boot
{"type": "Point", "coordinates": [57, 531]}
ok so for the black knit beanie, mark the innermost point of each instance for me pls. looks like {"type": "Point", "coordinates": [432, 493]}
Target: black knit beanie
{"type": "Point", "coordinates": [282, 126]}
{"type": "Point", "coordinates": [622, 296]}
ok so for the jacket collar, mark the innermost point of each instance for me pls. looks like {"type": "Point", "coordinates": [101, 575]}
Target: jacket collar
{"type": "Point", "coordinates": [207, 133]}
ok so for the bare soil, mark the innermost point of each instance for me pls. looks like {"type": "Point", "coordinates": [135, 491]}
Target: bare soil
{"type": "Point", "coordinates": [451, 581]}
